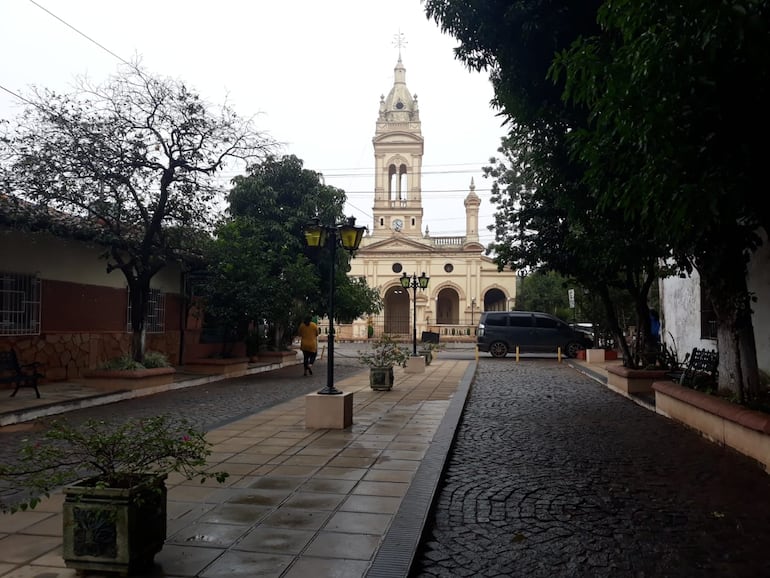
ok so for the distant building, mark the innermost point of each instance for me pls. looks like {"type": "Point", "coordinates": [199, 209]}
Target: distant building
{"type": "Point", "coordinates": [463, 282]}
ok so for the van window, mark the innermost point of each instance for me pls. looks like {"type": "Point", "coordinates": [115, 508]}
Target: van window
{"type": "Point", "coordinates": [495, 320]}
{"type": "Point", "coordinates": [546, 322]}
{"type": "Point", "coordinates": [520, 321]}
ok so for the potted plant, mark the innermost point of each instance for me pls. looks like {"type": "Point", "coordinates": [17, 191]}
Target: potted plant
{"type": "Point", "coordinates": [381, 357]}
{"type": "Point", "coordinates": [113, 478]}
{"type": "Point", "coordinates": [429, 350]}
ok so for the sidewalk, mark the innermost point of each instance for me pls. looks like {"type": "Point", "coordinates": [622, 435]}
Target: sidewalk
{"type": "Point", "coordinates": [298, 501]}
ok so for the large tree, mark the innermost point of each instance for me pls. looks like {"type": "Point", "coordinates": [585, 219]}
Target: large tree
{"type": "Point", "coordinates": [260, 266]}
{"type": "Point", "coordinates": [677, 95]}
{"type": "Point", "coordinates": [135, 160]}
{"type": "Point", "coordinates": [547, 218]}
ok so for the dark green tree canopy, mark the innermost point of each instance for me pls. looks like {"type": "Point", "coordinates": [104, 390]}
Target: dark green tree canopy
{"type": "Point", "coordinates": [260, 266]}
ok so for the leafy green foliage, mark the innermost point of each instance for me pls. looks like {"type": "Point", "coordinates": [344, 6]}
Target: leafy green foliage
{"type": "Point", "coordinates": [152, 359]}
{"type": "Point", "coordinates": [132, 163]}
{"type": "Point", "coordinates": [549, 217]}
{"type": "Point", "coordinates": [261, 267]}
{"type": "Point", "coordinates": [108, 454]}
{"type": "Point", "coordinates": [677, 98]}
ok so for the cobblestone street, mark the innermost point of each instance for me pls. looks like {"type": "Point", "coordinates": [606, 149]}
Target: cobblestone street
{"type": "Point", "coordinates": [552, 475]}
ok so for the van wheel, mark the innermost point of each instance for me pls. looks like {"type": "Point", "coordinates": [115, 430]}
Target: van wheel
{"type": "Point", "coordinates": [572, 349]}
{"type": "Point", "coordinates": [498, 349]}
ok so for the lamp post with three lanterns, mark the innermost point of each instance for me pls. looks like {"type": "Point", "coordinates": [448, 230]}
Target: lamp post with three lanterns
{"type": "Point", "coordinates": [319, 236]}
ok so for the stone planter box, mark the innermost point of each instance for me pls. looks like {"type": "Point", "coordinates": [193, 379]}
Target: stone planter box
{"type": "Point", "coordinates": [633, 380]}
{"type": "Point", "coordinates": [720, 421]}
{"type": "Point", "coordinates": [114, 530]}
{"type": "Point", "coordinates": [218, 366]}
{"type": "Point", "coordinates": [415, 364]}
{"type": "Point", "coordinates": [381, 378]}
{"type": "Point", "coordinates": [115, 379]}
{"type": "Point", "coordinates": [276, 356]}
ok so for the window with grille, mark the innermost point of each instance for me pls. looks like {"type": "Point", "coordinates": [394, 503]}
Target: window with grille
{"type": "Point", "coordinates": [19, 304]}
{"type": "Point", "coordinates": [155, 319]}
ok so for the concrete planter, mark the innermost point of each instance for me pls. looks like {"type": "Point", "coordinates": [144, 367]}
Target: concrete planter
{"type": "Point", "coordinates": [381, 378]}
{"type": "Point", "coordinates": [720, 421]}
{"type": "Point", "coordinates": [276, 356]}
{"type": "Point", "coordinates": [114, 530]}
{"type": "Point", "coordinates": [117, 379]}
{"type": "Point", "coordinates": [218, 366]}
{"type": "Point", "coordinates": [629, 381]}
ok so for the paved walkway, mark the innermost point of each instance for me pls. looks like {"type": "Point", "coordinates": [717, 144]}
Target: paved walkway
{"type": "Point", "coordinates": [550, 474]}
{"type": "Point", "coordinates": [555, 475]}
{"type": "Point", "coordinates": [298, 502]}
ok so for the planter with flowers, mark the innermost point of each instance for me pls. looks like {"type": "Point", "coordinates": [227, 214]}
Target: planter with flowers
{"type": "Point", "coordinates": [113, 478]}
{"type": "Point", "coordinates": [381, 357]}
{"type": "Point", "coordinates": [125, 373]}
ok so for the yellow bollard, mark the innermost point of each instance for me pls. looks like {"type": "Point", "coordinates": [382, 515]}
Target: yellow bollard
{"type": "Point", "coordinates": [477, 352]}
{"type": "Point", "coordinates": [558, 354]}
{"type": "Point", "coordinates": [517, 354]}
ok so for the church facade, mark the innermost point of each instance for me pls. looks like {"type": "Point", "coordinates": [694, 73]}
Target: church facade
{"type": "Point", "coordinates": [463, 281]}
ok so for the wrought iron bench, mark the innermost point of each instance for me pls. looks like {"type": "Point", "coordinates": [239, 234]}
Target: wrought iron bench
{"type": "Point", "coordinates": [22, 375]}
{"type": "Point", "coordinates": [700, 371]}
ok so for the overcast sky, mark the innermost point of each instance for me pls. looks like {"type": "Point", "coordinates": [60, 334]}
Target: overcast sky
{"type": "Point", "coordinates": [311, 70]}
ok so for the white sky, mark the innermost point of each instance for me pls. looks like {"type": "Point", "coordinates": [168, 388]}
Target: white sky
{"type": "Point", "coordinates": [311, 70]}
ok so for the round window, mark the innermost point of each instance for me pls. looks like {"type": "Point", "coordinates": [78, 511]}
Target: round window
{"type": "Point", "coordinates": [449, 268]}
{"type": "Point", "coordinates": [397, 267]}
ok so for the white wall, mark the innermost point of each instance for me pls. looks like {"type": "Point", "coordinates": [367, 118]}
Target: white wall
{"type": "Point", "coordinates": [680, 310]}
{"type": "Point", "coordinates": [60, 259]}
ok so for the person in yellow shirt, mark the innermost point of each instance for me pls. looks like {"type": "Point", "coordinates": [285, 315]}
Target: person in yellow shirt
{"type": "Point", "coordinates": [308, 344]}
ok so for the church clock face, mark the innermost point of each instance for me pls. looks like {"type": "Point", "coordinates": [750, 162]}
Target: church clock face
{"type": "Point", "coordinates": [398, 224]}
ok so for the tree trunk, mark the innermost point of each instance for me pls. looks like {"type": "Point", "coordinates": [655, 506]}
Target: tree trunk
{"type": "Point", "coordinates": [738, 368]}
{"type": "Point", "coordinates": [138, 293]}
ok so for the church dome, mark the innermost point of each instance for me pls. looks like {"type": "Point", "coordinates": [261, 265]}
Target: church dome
{"type": "Point", "coordinates": [399, 105]}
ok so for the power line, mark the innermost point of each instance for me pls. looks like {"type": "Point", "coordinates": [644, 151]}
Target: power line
{"type": "Point", "coordinates": [12, 93]}
{"type": "Point", "coordinates": [84, 35]}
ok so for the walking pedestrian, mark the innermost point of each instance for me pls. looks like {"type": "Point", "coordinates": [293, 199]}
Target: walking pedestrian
{"type": "Point", "coordinates": [308, 344]}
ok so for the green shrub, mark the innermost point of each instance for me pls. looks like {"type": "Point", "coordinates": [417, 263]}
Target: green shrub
{"type": "Point", "coordinates": [153, 359]}
{"type": "Point", "coordinates": [122, 363]}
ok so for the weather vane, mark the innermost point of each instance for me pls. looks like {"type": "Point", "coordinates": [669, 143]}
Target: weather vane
{"type": "Point", "coordinates": [399, 40]}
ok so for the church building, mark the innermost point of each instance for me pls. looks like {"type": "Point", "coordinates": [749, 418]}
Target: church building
{"type": "Point", "coordinates": [463, 281]}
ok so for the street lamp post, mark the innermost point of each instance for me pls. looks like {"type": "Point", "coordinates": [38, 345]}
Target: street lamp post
{"type": "Point", "coordinates": [521, 274]}
{"type": "Point", "coordinates": [473, 306]}
{"type": "Point", "coordinates": [319, 236]}
{"type": "Point", "coordinates": [415, 283]}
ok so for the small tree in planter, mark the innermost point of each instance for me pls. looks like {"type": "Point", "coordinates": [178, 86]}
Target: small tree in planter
{"type": "Point", "coordinates": [116, 476]}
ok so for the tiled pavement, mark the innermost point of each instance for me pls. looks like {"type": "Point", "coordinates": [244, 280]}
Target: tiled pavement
{"type": "Point", "coordinates": [298, 501]}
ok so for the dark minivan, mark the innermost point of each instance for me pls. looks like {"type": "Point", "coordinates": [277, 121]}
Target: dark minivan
{"type": "Point", "coordinates": [501, 332]}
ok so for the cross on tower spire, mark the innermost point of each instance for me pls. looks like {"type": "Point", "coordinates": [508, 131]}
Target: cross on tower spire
{"type": "Point", "coordinates": [399, 40]}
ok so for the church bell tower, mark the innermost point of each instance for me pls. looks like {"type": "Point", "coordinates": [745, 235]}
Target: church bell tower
{"type": "Point", "coordinates": [398, 150]}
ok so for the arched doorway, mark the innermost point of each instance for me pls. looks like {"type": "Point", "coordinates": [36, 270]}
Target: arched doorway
{"type": "Point", "coordinates": [494, 300]}
{"type": "Point", "coordinates": [396, 311]}
{"type": "Point", "coordinates": [447, 307]}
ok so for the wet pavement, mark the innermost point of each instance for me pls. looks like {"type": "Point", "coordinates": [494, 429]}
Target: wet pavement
{"type": "Point", "coordinates": [537, 469]}
{"type": "Point", "coordinates": [552, 474]}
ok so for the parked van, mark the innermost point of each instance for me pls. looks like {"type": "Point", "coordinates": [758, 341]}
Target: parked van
{"type": "Point", "coordinates": [501, 332]}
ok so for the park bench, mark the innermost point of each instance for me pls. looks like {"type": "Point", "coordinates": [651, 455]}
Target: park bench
{"type": "Point", "coordinates": [700, 370]}
{"type": "Point", "coordinates": [22, 375]}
